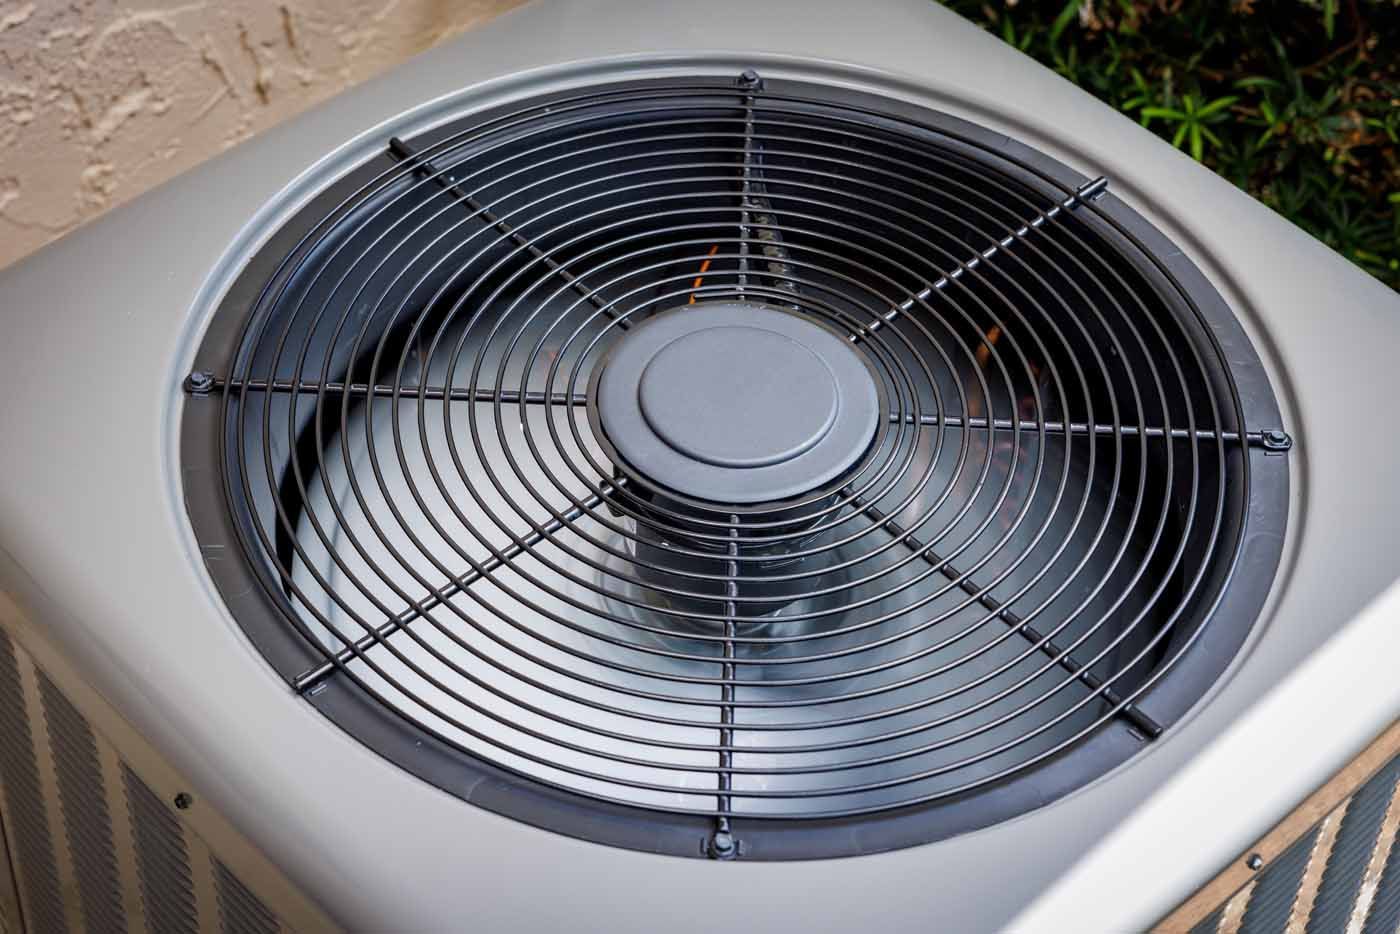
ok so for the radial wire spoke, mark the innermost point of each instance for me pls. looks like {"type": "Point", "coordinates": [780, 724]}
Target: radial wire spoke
{"type": "Point", "coordinates": [314, 676]}
{"type": "Point", "coordinates": [405, 153]}
{"type": "Point", "coordinates": [1082, 195]}
{"type": "Point", "coordinates": [1130, 712]}
{"type": "Point", "coordinates": [405, 393]}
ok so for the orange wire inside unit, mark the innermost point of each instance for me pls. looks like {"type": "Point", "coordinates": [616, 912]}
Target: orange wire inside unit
{"type": "Point", "coordinates": [704, 268]}
{"type": "Point", "coordinates": [984, 350]}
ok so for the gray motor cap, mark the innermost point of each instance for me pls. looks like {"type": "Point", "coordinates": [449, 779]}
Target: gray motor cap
{"type": "Point", "coordinates": [739, 403]}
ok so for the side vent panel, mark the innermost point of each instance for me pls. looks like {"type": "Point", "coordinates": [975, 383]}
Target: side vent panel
{"type": "Point", "coordinates": [26, 810]}
{"type": "Point", "coordinates": [162, 862]}
{"type": "Point", "coordinates": [86, 816]}
{"type": "Point", "coordinates": [9, 898]}
{"type": "Point", "coordinates": [88, 843]}
{"type": "Point", "coordinates": [240, 911]}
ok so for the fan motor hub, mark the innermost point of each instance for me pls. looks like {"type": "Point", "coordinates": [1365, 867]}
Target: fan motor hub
{"type": "Point", "coordinates": [738, 396]}
{"type": "Point", "coordinates": [737, 403]}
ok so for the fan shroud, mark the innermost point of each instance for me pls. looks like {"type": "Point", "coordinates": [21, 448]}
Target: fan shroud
{"type": "Point", "coordinates": [1122, 704]}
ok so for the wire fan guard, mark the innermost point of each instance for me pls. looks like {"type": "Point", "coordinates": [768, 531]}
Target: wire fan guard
{"type": "Point", "coordinates": [1020, 566]}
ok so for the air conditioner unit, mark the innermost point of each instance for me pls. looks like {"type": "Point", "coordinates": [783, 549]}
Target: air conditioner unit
{"type": "Point", "coordinates": [790, 465]}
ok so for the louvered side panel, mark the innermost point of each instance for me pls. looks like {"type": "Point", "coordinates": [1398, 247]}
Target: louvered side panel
{"type": "Point", "coordinates": [9, 895]}
{"type": "Point", "coordinates": [90, 837]}
{"type": "Point", "coordinates": [167, 889]}
{"type": "Point", "coordinates": [1339, 878]}
{"type": "Point", "coordinates": [26, 812]}
{"type": "Point", "coordinates": [86, 819]}
{"type": "Point", "coordinates": [240, 911]}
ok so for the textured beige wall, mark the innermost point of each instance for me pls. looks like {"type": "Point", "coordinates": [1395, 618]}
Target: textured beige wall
{"type": "Point", "coordinates": [101, 99]}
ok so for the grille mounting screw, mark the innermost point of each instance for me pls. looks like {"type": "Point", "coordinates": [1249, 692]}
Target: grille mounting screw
{"type": "Point", "coordinates": [1276, 439]}
{"type": "Point", "coordinates": [1255, 861]}
{"type": "Point", "coordinates": [199, 382]}
{"type": "Point", "coordinates": [748, 78]}
{"type": "Point", "coordinates": [723, 845]}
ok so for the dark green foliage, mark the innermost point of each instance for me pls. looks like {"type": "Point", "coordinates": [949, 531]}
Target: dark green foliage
{"type": "Point", "coordinates": [1295, 101]}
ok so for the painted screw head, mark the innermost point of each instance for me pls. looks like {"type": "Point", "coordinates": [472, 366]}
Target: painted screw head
{"type": "Point", "coordinates": [723, 845]}
{"type": "Point", "coordinates": [199, 381]}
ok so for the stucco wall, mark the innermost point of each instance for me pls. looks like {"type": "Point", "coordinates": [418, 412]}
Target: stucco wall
{"type": "Point", "coordinates": [101, 99]}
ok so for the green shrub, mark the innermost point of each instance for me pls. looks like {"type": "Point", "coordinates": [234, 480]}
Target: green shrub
{"type": "Point", "coordinates": [1295, 101]}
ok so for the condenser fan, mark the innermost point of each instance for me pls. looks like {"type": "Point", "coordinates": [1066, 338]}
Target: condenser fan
{"type": "Point", "coordinates": [706, 464]}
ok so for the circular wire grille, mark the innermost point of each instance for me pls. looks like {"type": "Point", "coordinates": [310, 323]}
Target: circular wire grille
{"type": "Point", "coordinates": [1044, 523]}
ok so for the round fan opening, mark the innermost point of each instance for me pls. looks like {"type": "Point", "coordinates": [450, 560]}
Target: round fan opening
{"type": "Point", "coordinates": [734, 468]}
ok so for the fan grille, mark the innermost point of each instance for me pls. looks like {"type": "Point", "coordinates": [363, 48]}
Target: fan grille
{"type": "Point", "coordinates": [978, 615]}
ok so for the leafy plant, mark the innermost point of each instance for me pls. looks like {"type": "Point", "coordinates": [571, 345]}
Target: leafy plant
{"type": "Point", "coordinates": [1295, 101]}
{"type": "Point", "coordinates": [1192, 121]}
